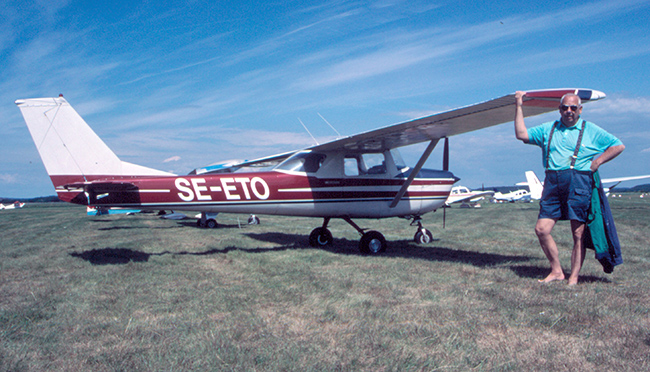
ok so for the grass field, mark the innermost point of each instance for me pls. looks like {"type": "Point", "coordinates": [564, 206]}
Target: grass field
{"type": "Point", "coordinates": [137, 293]}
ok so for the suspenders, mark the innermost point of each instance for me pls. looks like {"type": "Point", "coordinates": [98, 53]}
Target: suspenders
{"type": "Point", "coordinates": [574, 157]}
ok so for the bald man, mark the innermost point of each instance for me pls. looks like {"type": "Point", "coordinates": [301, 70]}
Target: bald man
{"type": "Point", "coordinates": [573, 149]}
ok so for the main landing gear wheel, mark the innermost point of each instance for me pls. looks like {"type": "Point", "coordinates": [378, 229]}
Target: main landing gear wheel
{"type": "Point", "coordinates": [423, 236]}
{"type": "Point", "coordinates": [320, 237]}
{"type": "Point", "coordinates": [372, 242]}
{"type": "Point", "coordinates": [211, 224]}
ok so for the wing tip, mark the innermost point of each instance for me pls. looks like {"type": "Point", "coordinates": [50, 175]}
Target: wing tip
{"type": "Point", "coordinates": [590, 94]}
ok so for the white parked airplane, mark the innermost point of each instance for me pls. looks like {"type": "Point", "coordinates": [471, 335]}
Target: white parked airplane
{"type": "Point", "coordinates": [512, 196]}
{"type": "Point", "coordinates": [462, 194]}
{"type": "Point", "coordinates": [15, 205]}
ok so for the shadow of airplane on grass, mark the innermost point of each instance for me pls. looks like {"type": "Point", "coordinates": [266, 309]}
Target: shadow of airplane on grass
{"type": "Point", "coordinates": [399, 248]}
{"type": "Point", "coordinates": [112, 256]}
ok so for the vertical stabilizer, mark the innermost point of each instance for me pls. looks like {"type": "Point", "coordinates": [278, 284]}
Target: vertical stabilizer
{"type": "Point", "coordinates": [534, 185]}
{"type": "Point", "coordinates": [69, 148]}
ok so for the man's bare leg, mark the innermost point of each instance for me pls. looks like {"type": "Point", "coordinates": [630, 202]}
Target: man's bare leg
{"type": "Point", "coordinates": [543, 230]}
{"type": "Point", "coordinates": [578, 253]}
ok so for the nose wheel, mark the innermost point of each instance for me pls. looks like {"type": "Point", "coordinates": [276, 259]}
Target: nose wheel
{"type": "Point", "coordinates": [422, 235]}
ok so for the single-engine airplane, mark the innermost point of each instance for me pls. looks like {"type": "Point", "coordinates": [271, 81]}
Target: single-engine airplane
{"type": "Point", "coordinates": [512, 196]}
{"type": "Point", "coordinates": [14, 205]}
{"type": "Point", "coordinates": [462, 194]}
{"type": "Point", "coordinates": [360, 176]}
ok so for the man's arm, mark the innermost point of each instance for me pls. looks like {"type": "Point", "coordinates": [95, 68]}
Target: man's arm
{"type": "Point", "coordinates": [606, 156]}
{"type": "Point", "coordinates": [521, 132]}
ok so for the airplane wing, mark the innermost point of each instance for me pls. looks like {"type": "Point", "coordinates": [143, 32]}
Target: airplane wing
{"type": "Point", "coordinates": [440, 125]}
{"type": "Point", "coordinates": [617, 181]}
{"type": "Point", "coordinates": [621, 179]}
{"type": "Point", "coordinates": [457, 121]}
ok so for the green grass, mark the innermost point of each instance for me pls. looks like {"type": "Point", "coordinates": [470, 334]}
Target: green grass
{"type": "Point", "coordinates": [137, 293]}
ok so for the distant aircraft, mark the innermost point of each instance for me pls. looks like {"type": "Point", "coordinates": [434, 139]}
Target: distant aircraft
{"type": "Point", "coordinates": [360, 176]}
{"type": "Point", "coordinates": [513, 196]}
{"type": "Point", "coordinates": [536, 186]}
{"type": "Point", "coordinates": [461, 194]}
{"type": "Point", "coordinates": [100, 211]}
{"type": "Point", "coordinates": [14, 205]}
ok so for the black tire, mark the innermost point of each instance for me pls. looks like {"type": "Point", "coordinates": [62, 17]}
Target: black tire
{"type": "Point", "coordinates": [423, 236]}
{"type": "Point", "coordinates": [211, 224]}
{"type": "Point", "coordinates": [320, 237]}
{"type": "Point", "coordinates": [372, 242]}
{"type": "Point", "coordinates": [253, 220]}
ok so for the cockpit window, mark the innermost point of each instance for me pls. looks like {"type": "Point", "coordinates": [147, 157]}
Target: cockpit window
{"type": "Point", "coordinates": [365, 164]}
{"type": "Point", "coordinates": [308, 162]}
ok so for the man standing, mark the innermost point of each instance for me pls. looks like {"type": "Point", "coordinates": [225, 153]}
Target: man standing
{"type": "Point", "coordinates": [573, 149]}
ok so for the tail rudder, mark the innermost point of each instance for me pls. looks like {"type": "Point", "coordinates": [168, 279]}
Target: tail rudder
{"type": "Point", "coordinates": [534, 185]}
{"type": "Point", "coordinates": [70, 150]}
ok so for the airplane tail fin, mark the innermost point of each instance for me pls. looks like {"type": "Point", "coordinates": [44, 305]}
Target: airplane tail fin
{"type": "Point", "coordinates": [70, 150]}
{"type": "Point", "coordinates": [534, 185]}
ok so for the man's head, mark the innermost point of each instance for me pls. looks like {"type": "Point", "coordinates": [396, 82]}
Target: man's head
{"type": "Point", "coordinates": [570, 109]}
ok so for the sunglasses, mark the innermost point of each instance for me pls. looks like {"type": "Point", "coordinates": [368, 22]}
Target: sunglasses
{"type": "Point", "coordinates": [573, 108]}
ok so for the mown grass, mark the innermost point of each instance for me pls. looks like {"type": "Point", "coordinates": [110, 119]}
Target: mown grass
{"type": "Point", "coordinates": [137, 293]}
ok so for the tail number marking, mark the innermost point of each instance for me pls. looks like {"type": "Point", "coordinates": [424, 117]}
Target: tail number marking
{"type": "Point", "coordinates": [233, 188]}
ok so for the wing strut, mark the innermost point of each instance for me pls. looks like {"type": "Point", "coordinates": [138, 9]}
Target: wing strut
{"type": "Point", "coordinates": [414, 172]}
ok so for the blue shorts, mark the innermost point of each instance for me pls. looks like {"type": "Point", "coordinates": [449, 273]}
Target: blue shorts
{"type": "Point", "coordinates": [566, 195]}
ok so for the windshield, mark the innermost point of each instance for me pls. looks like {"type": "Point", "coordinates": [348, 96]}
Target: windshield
{"type": "Point", "coordinates": [308, 162]}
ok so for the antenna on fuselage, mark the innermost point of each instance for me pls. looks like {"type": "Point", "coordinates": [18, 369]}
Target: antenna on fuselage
{"type": "Point", "coordinates": [328, 123]}
{"type": "Point", "coordinates": [304, 126]}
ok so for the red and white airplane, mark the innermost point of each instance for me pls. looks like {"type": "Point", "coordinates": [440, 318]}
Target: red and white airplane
{"type": "Point", "coordinates": [360, 176]}
{"type": "Point", "coordinates": [14, 205]}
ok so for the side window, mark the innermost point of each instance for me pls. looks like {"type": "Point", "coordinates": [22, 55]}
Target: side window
{"type": "Point", "coordinates": [365, 164]}
{"type": "Point", "coordinates": [351, 166]}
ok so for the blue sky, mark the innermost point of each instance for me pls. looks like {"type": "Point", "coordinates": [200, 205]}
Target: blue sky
{"type": "Point", "coordinates": [175, 87]}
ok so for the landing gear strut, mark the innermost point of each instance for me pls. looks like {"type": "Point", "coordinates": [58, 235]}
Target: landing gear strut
{"type": "Point", "coordinates": [422, 235]}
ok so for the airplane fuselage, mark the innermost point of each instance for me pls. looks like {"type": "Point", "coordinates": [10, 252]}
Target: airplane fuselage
{"type": "Point", "coordinates": [272, 192]}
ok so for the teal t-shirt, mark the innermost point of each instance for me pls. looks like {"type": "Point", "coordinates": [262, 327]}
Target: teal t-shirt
{"type": "Point", "coordinates": [595, 140]}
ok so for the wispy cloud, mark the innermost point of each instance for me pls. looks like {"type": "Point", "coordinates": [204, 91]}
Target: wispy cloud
{"type": "Point", "coordinates": [8, 178]}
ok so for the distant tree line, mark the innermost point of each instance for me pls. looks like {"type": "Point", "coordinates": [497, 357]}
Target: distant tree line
{"type": "Point", "coordinates": [40, 199]}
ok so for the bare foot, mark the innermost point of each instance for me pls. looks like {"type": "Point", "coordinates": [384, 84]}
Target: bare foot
{"type": "Point", "coordinates": [573, 281]}
{"type": "Point", "coordinates": [552, 277]}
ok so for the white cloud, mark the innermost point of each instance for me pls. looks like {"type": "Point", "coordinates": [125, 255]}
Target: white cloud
{"type": "Point", "coordinates": [173, 158]}
{"type": "Point", "coordinates": [8, 178]}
